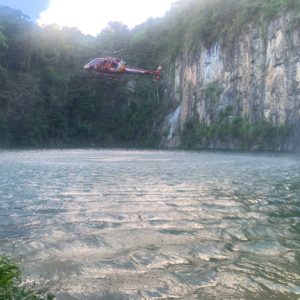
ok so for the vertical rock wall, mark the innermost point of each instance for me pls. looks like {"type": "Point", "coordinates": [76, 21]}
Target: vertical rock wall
{"type": "Point", "coordinates": [258, 78]}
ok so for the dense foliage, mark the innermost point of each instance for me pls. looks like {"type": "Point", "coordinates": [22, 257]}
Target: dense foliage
{"type": "Point", "coordinates": [194, 23]}
{"type": "Point", "coordinates": [233, 132]}
{"type": "Point", "coordinates": [11, 287]}
{"type": "Point", "coordinates": [47, 100]}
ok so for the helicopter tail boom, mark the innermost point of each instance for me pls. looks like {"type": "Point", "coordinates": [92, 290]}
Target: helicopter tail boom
{"type": "Point", "coordinates": [139, 71]}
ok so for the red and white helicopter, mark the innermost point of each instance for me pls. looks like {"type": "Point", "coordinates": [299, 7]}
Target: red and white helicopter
{"type": "Point", "coordinates": [116, 66]}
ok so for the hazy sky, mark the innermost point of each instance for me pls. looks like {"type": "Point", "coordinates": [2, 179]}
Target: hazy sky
{"type": "Point", "coordinates": [31, 8]}
{"type": "Point", "coordinates": [90, 16]}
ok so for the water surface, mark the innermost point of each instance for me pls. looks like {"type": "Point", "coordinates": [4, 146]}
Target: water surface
{"type": "Point", "coordinates": [113, 224]}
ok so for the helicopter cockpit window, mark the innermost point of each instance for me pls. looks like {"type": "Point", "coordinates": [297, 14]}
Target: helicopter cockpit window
{"type": "Point", "coordinates": [95, 61]}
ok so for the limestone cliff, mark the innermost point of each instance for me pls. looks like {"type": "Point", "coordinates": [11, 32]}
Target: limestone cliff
{"type": "Point", "coordinates": [256, 78]}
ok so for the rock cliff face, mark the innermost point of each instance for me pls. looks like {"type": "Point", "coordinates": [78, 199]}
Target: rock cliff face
{"type": "Point", "coordinates": [257, 78]}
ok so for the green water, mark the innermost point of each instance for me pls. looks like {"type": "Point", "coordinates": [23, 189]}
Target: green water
{"type": "Point", "coordinates": [113, 224]}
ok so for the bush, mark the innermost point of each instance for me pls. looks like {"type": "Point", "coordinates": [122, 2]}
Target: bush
{"type": "Point", "coordinates": [11, 287]}
{"type": "Point", "coordinates": [228, 130]}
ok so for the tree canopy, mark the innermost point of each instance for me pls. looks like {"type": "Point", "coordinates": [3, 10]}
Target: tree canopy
{"type": "Point", "coordinates": [47, 100]}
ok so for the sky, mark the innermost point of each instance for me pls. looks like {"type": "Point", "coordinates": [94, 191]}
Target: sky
{"type": "Point", "coordinates": [90, 16]}
{"type": "Point", "coordinates": [31, 8]}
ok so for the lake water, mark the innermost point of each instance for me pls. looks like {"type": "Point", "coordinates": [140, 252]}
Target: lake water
{"type": "Point", "coordinates": [114, 224]}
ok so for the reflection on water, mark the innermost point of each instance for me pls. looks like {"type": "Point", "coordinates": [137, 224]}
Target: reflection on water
{"type": "Point", "coordinates": [152, 225]}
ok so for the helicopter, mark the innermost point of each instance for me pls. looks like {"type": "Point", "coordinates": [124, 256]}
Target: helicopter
{"type": "Point", "coordinates": [116, 66]}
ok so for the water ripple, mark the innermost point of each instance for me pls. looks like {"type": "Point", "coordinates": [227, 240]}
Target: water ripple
{"type": "Point", "coordinates": [116, 224]}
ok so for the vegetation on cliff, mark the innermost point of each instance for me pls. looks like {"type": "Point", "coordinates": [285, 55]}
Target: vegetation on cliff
{"type": "Point", "coordinates": [233, 133]}
{"type": "Point", "coordinates": [47, 100]}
